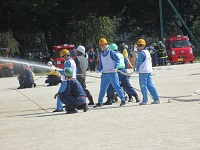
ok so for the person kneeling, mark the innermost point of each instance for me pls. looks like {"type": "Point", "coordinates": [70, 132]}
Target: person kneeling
{"type": "Point", "coordinates": [26, 78]}
{"type": "Point", "coordinates": [73, 96]}
{"type": "Point", "coordinates": [53, 76]}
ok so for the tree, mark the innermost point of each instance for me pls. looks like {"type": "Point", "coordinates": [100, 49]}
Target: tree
{"type": "Point", "coordinates": [189, 11]}
{"type": "Point", "coordinates": [8, 41]}
{"type": "Point", "coordinates": [88, 32]}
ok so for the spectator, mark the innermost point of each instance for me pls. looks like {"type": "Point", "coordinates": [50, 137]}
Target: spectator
{"type": "Point", "coordinates": [92, 59]}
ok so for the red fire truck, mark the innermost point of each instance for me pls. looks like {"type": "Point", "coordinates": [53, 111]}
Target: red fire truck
{"type": "Point", "coordinates": [59, 61]}
{"type": "Point", "coordinates": [179, 49]}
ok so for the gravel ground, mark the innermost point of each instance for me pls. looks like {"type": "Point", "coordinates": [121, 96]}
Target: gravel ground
{"type": "Point", "coordinates": [27, 121]}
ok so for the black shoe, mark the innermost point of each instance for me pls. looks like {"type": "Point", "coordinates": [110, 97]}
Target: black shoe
{"type": "Point", "coordinates": [84, 107]}
{"type": "Point", "coordinates": [108, 102]}
{"type": "Point", "coordinates": [122, 103]}
{"type": "Point", "coordinates": [90, 98]}
{"type": "Point", "coordinates": [98, 105]}
{"type": "Point", "coordinates": [73, 111]}
{"type": "Point", "coordinates": [34, 85]}
{"type": "Point", "coordinates": [137, 99]}
{"type": "Point", "coordinates": [20, 87]}
{"type": "Point", "coordinates": [91, 103]}
{"type": "Point", "coordinates": [58, 110]}
{"type": "Point", "coordinates": [130, 99]}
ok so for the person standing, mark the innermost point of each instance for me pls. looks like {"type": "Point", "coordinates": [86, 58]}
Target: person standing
{"type": "Point", "coordinates": [134, 53]}
{"type": "Point", "coordinates": [154, 55]}
{"type": "Point", "coordinates": [125, 51]}
{"type": "Point", "coordinates": [92, 59]}
{"type": "Point", "coordinates": [162, 55]}
{"type": "Point", "coordinates": [82, 65]}
{"type": "Point", "coordinates": [123, 78]}
{"type": "Point", "coordinates": [144, 68]}
{"type": "Point", "coordinates": [69, 62]}
{"type": "Point", "coordinates": [108, 65]}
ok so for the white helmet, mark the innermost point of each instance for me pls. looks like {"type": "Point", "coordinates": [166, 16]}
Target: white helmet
{"type": "Point", "coordinates": [81, 49]}
{"type": "Point", "coordinates": [125, 46]}
{"type": "Point", "coordinates": [26, 65]}
{"type": "Point", "coordinates": [49, 63]}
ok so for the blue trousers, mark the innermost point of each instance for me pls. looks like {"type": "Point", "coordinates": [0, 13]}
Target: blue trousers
{"type": "Point", "coordinates": [147, 85]}
{"type": "Point", "coordinates": [59, 104]}
{"type": "Point", "coordinates": [106, 79]}
{"type": "Point", "coordinates": [125, 83]}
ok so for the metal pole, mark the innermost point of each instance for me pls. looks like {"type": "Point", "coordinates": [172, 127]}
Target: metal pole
{"type": "Point", "coordinates": [161, 20]}
{"type": "Point", "coordinates": [183, 22]}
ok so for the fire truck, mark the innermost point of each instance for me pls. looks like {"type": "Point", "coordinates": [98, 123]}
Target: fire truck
{"type": "Point", "coordinates": [6, 68]}
{"type": "Point", "coordinates": [179, 49]}
{"type": "Point", "coordinates": [59, 61]}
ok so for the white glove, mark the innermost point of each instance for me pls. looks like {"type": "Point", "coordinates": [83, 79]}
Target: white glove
{"type": "Point", "coordinates": [113, 70]}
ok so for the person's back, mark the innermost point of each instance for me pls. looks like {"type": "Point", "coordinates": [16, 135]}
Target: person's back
{"type": "Point", "coordinates": [82, 65]}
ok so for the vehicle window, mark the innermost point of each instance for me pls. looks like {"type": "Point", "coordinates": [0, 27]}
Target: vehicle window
{"type": "Point", "coordinates": [178, 44]}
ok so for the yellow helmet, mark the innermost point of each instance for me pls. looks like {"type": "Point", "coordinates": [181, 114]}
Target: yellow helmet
{"type": "Point", "coordinates": [141, 41]}
{"type": "Point", "coordinates": [103, 41]}
{"type": "Point", "coordinates": [64, 52]}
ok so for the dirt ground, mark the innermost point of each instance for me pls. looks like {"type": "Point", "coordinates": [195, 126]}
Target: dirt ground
{"type": "Point", "coordinates": [27, 121]}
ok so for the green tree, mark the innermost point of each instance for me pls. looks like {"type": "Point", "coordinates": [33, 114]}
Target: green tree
{"type": "Point", "coordinates": [88, 32]}
{"type": "Point", "coordinates": [8, 41]}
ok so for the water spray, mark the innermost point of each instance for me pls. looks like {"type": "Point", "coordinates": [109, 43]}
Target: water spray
{"type": "Point", "coordinates": [28, 63]}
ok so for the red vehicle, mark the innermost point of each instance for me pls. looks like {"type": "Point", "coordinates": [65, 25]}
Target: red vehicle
{"type": "Point", "coordinates": [59, 61]}
{"type": "Point", "coordinates": [179, 49]}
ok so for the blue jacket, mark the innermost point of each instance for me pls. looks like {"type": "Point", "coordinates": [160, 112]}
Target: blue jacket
{"type": "Point", "coordinates": [141, 58]}
{"type": "Point", "coordinates": [73, 94]}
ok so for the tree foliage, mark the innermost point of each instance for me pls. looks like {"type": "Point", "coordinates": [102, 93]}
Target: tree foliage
{"type": "Point", "coordinates": [85, 21]}
{"type": "Point", "coordinates": [8, 41]}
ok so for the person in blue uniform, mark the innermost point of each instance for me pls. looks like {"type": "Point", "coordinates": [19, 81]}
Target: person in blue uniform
{"type": "Point", "coordinates": [26, 78]}
{"type": "Point", "coordinates": [108, 65]}
{"type": "Point", "coordinates": [92, 59]}
{"type": "Point", "coordinates": [144, 68]}
{"type": "Point", "coordinates": [123, 79]}
{"type": "Point", "coordinates": [69, 62]}
{"type": "Point", "coordinates": [154, 54]}
{"type": "Point", "coordinates": [73, 95]}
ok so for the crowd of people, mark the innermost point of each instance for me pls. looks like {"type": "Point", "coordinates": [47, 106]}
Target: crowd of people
{"type": "Point", "coordinates": [114, 81]}
{"type": "Point", "coordinates": [157, 51]}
